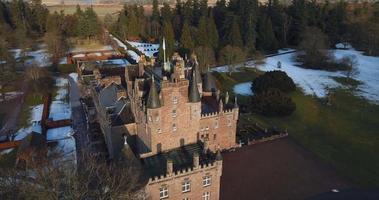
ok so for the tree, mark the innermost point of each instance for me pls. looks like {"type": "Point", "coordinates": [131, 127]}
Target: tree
{"type": "Point", "coordinates": [168, 34]}
{"type": "Point", "coordinates": [273, 79]}
{"type": "Point", "coordinates": [212, 32]}
{"type": "Point", "coordinates": [202, 33]}
{"type": "Point", "coordinates": [57, 46]}
{"type": "Point", "coordinates": [314, 52]}
{"type": "Point", "coordinates": [40, 81]}
{"type": "Point", "coordinates": [351, 62]}
{"type": "Point", "coordinates": [186, 38]}
{"type": "Point", "coordinates": [205, 57]}
{"type": "Point", "coordinates": [231, 56]}
{"type": "Point", "coordinates": [272, 102]}
{"type": "Point", "coordinates": [55, 178]}
{"type": "Point", "coordinates": [7, 66]}
{"type": "Point", "coordinates": [234, 37]}
{"type": "Point", "coordinates": [266, 40]}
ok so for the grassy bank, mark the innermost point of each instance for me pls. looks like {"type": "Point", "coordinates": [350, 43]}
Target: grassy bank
{"type": "Point", "coordinates": [343, 134]}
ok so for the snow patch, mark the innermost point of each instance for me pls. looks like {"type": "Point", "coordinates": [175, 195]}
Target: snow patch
{"type": "Point", "coordinates": [243, 89]}
{"type": "Point", "coordinates": [148, 49]}
{"type": "Point", "coordinates": [74, 76]}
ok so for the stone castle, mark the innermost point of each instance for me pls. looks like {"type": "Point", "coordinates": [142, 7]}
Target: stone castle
{"type": "Point", "coordinates": [172, 118]}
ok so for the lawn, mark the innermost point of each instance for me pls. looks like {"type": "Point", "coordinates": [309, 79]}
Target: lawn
{"type": "Point", "coordinates": [101, 11]}
{"type": "Point", "coordinates": [344, 134]}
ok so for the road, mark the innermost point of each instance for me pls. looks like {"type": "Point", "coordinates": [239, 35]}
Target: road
{"type": "Point", "coordinates": [79, 122]}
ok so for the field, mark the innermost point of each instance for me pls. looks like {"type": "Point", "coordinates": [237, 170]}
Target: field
{"type": "Point", "coordinates": [101, 10]}
{"type": "Point", "coordinates": [343, 134]}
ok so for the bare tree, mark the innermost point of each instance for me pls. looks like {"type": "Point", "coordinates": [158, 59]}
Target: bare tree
{"type": "Point", "coordinates": [351, 63]}
{"type": "Point", "coordinates": [231, 56]}
{"type": "Point", "coordinates": [58, 179]}
{"type": "Point", "coordinates": [206, 57]}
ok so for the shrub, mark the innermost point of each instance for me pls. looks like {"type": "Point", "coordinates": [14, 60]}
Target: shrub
{"type": "Point", "coordinates": [273, 79]}
{"type": "Point", "coordinates": [273, 102]}
{"type": "Point", "coordinates": [66, 68]}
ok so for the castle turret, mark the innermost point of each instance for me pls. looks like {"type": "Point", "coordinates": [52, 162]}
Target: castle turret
{"type": "Point", "coordinates": [193, 94]}
{"type": "Point", "coordinates": [209, 84]}
{"type": "Point", "coordinates": [153, 98]}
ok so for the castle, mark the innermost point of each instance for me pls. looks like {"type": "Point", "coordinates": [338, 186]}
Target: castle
{"type": "Point", "coordinates": [172, 118]}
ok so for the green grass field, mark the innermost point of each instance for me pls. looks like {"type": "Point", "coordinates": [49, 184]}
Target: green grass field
{"type": "Point", "coordinates": [101, 11]}
{"type": "Point", "coordinates": [344, 134]}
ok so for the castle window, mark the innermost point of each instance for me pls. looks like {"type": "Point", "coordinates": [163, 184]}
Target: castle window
{"type": "Point", "coordinates": [174, 100]}
{"type": "Point", "coordinates": [159, 130]}
{"type": "Point", "coordinates": [186, 186]}
{"type": "Point", "coordinates": [216, 124]}
{"type": "Point", "coordinates": [163, 192]}
{"type": "Point", "coordinates": [174, 127]}
{"type": "Point", "coordinates": [214, 137]}
{"type": "Point", "coordinates": [206, 196]}
{"type": "Point", "coordinates": [229, 122]}
{"type": "Point", "coordinates": [206, 181]}
{"type": "Point", "coordinates": [173, 113]}
{"type": "Point", "coordinates": [150, 119]}
{"type": "Point", "coordinates": [186, 198]}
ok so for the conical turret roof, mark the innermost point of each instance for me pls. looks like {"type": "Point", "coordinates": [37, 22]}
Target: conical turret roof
{"type": "Point", "coordinates": [193, 92]}
{"type": "Point", "coordinates": [153, 98]}
{"type": "Point", "coordinates": [209, 84]}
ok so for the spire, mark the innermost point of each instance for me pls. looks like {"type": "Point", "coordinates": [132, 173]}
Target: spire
{"type": "Point", "coordinates": [193, 92]}
{"type": "Point", "coordinates": [153, 98]}
{"type": "Point", "coordinates": [209, 84]}
{"type": "Point", "coordinates": [226, 98]}
{"type": "Point", "coordinates": [164, 50]}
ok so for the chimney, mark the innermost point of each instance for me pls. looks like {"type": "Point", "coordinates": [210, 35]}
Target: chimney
{"type": "Point", "coordinates": [196, 160]}
{"type": "Point", "coordinates": [170, 166]}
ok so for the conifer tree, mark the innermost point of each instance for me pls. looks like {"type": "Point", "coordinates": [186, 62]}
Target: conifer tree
{"type": "Point", "coordinates": [213, 36]}
{"type": "Point", "coordinates": [266, 38]}
{"type": "Point", "coordinates": [186, 38]}
{"type": "Point", "coordinates": [202, 33]}
{"type": "Point", "coordinates": [234, 37]}
{"type": "Point", "coordinates": [168, 34]}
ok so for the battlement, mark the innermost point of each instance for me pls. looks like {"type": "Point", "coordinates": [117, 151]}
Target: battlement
{"type": "Point", "coordinates": [183, 172]}
{"type": "Point", "coordinates": [214, 114]}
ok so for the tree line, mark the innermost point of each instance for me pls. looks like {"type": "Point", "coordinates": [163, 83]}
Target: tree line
{"type": "Point", "coordinates": [247, 26]}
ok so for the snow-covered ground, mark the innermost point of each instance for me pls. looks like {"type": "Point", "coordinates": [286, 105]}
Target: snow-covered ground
{"type": "Point", "coordinates": [148, 49]}
{"type": "Point", "coordinates": [100, 48]}
{"type": "Point", "coordinates": [134, 55]}
{"type": "Point", "coordinates": [243, 89]}
{"type": "Point", "coordinates": [10, 95]}
{"type": "Point", "coordinates": [66, 146]}
{"type": "Point", "coordinates": [74, 76]}
{"type": "Point", "coordinates": [119, 43]}
{"type": "Point", "coordinates": [317, 82]}
{"type": "Point", "coordinates": [39, 57]}
{"type": "Point", "coordinates": [60, 109]}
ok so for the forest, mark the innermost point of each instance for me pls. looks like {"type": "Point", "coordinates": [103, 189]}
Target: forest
{"type": "Point", "coordinates": [245, 28]}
